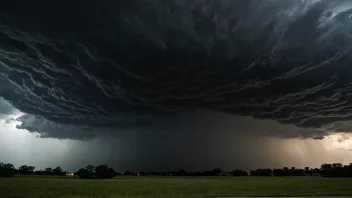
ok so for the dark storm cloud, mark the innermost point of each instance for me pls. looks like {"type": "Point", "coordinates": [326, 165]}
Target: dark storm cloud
{"type": "Point", "coordinates": [5, 108]}
{"type": "Point", "coordinates": [124, 65]}
{"type": "Point", "coordinates": [48, 129]}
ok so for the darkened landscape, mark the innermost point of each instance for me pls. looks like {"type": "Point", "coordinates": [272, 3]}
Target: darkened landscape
{"type": "Point", "coordinates": [178, 187]}
{"type": "Point", "coordinates": [104, 172]}
{"type": "Point", "coordinates": [175, 98]}
{"type": "Point", "coordinates": [101, 181]}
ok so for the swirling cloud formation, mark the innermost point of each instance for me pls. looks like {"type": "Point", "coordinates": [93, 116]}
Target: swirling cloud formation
{"type": "Point", "coordinates": [123, 65]}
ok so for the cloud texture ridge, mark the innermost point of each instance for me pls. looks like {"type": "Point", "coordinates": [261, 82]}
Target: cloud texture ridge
{"type": "Point", "coordinates": [125, 65]}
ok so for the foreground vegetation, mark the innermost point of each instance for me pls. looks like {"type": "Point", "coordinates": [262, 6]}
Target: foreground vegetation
{"type": "Point", "coordinates": [175, 187]}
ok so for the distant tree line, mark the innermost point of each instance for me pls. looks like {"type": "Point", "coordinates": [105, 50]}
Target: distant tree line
{"type": "Point", "coordinates": [336, 170]}
{"type": "Point", "coordinates": [104, 172]}
{"type": "Point", "coordinates": [285, 171]}
{"type": "Point", "coordinates": [98, 172]}
{"type": "Point", "coordinates": [182, 172]}
{"type": "Point", "coordinates": [8, 170]}
{"type": "Point", "coordinates": [49, 171]}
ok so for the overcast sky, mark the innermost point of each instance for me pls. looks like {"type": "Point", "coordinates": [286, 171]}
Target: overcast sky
{"type": "Point", "coordinates": [160, 85]}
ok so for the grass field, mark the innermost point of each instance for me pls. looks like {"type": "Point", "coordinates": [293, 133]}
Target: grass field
{"type": "Point", "coordinates": [165, 187]}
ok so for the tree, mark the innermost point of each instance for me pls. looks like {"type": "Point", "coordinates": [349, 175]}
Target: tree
{"type": "Point", "coordinates": [49, 170]}
{"type": "Point", "coordinates": [104, 172]}
{"type": "Point", "coordinates": [337, 165]}
{"type": "Point", "coordinates": [239, 173]}
{"type": "Point", "coordinates": [84, 173]}
{"type": "Point", "coordinates": [7, 170]}
{"type": "Point", "coordinates": [90, 168]}
{"type": "Point", "coordinates": [57, 171]}
{"type": "Point", "coordinates": [316, 170]}
{"type": "Point", "coordinates": [325, 166]}
{"type": "Point", "coordinates": [181, 172]}
{"type": "Point", "coordinates": [261, 172]}
{"type": "Point", "coordinates": [335, 170]}
{"type": "Point", "coordinates": [279, 172]}
{"type": "Point", "coordinates": [216, 171]}
{"type": "Point", "coordinates": [130, 173]}
{"type": "Point", "coordinates": [100, 172]}
{"type": "Point", "coordinates": [26, 170]}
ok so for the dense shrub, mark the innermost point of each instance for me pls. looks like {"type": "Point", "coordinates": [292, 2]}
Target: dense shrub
{"type": "Point", "coordinates": [7, 170]}
{"type": "Point", "coordinates": [99, 172]}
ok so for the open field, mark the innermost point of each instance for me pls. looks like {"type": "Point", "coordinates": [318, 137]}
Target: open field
{"type": "Point", "coordinates": [164, 187]}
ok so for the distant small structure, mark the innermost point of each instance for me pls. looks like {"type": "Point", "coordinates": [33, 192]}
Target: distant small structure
{"type": "Point", "coordinates": [225, 174]}
{"type": "Point", "coordinates": [70, 174]}
{"type": "Point", "coordinates": [272, 173]}
{"type": "Point", "coordinates": [315, 174]}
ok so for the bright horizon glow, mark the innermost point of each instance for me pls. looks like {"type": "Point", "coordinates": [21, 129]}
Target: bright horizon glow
{"type": "Point", "coordinates": [26, 148]}
{"type": "Point", "coordinates": [342, 141]}
{"type": "Point", "coordinates": [19, 146]}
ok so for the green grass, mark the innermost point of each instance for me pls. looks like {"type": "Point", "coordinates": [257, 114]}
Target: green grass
{"type": "Point", "coordinates": [173, 187]}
